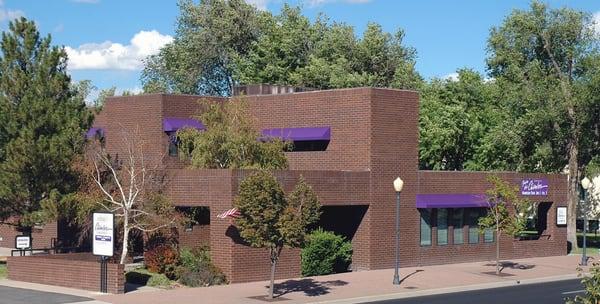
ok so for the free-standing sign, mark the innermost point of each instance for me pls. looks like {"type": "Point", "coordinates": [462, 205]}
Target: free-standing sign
{"type": "Point", "coordinates": [22, 242]}
{"type": "Point", "coordinates": [103, 234]}
{"type": "Point", "coordinates": [561, 216]}
{"type": "Point", "coordinates": [534, 186]}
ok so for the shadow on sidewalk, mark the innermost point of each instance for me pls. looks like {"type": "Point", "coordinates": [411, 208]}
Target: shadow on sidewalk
{"type": "Point", "coordinates": [310, 287]}
{"type": "Point", "coordinates": [512, 265]}
{"type": "Point", "coordinates": [410, 275]}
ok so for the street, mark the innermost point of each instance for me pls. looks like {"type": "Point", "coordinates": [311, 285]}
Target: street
{"type": "Point", "coordinates": [11, 295]}
{"type": "Point", "coordinates": [543, 293]}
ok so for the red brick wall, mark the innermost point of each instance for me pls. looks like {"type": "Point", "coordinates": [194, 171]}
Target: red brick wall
{"type": "Point", "coordinates": [199, 236]}
{"type": "Point", "coordinates": [42, 237]}
{"type": "Point", "coordinates": [74, 270]}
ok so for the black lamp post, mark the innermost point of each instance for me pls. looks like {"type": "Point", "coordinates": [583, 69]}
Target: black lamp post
{"type": "Point", "coordinates": [585, 184]}
{"type": "Point", "coordinates": [398, 184]}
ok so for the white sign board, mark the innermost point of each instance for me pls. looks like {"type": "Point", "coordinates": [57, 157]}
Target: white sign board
{"type": "Point", "coordinates": [561, 216]}
{"type": "Point", "coordinates": [22, 242]}
{"type": "Point", "coordinates": [103, 234]}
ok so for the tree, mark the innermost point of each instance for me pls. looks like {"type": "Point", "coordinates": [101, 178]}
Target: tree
{"type": "Point", "coordinates": [230, 140]}
{"type": "Point", "coordinates": [42, 124]}
{"type": "Point", "coordinates": [131, 189]}
{"type": "Point", "coordinates": [271, 220]}
{"type": "Point", "coordinates": [199, 61]}
{"type": "Point", "coordinates": [540, 59]}
{"type": "Point", "coordinates": [507, 213]}
{"type": "Point", "coordinates": [591, 282]}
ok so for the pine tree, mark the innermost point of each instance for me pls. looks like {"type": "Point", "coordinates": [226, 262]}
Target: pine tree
{"type": "Point", "coordinates": [42, 124]}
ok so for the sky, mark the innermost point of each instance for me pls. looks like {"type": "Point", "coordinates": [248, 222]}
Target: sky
{"type": "Point", "coordinates": [106, 40]}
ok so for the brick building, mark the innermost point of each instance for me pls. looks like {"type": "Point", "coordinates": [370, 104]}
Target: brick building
{"type": "Point", "coordinates": [350, 144]}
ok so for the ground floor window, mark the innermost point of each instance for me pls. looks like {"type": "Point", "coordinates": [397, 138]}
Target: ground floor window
{"type": "Point", "coordinates": [452, 222]}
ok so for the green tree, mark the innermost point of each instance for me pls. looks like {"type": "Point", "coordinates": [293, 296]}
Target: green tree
{"type": "Point", "coordinates": [540, 59]}
{"type": "Point", "coordinates": [230, 140]}
{"type": "Point", "coordinates": [42, 123]}
{"type": "Point", "coordinates": [208, 36]}
{"type": "Point", "coordinates": [271, 220]}
{"type": "Point", "coordinates": [591, 284]}
{"type": "Point", "coordinates": [507, 213]}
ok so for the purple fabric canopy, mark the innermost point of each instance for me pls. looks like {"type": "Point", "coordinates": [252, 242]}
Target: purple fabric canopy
{"type": "Point", "coordinates": [451, 201]}
{"type": "Point", "coordinates": [92, 132]}
{"type": "Point", "coordinates": [299, 134]}
{"type": "Point", "coordinates": [171, 124]}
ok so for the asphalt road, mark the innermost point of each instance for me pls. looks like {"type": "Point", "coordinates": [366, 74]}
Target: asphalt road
{"type": "Point", "coordinates": [11, 295]}
{"type": "Point", "coordinates": [546, 293]}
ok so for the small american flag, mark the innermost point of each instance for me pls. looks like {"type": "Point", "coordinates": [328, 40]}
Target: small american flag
{"type": "Point", "coordinates": [230, 213]}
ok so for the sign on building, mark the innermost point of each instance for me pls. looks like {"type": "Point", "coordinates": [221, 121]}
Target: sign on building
{"type": "Point", "coordinates": [533, 186]}
{"type": "Point", "coordinates": [561, 216]}
{"type": "Point", "coordinates": [22, 242]}
{"type": "Point", "coordinates": [103, 234]}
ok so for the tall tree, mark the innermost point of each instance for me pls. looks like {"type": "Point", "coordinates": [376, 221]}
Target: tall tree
{"type": "Point", "coordinates": [42, 123]}
{"type": "Point", "coordinates": [208, 36]}
{"type": "Point", "coordinates": [268, 219]}
{"type": "Point", "coordinates": [538, 57]}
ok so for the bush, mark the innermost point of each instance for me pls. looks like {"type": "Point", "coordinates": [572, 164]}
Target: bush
{"type": "Point", "coordinates": [159, 280]}
{"type": "Point", "coordinates": [325, 253]}
{"type": "Point", "coordinates": [197, 268]}
{"type": "Point", "coordinates": [162, 259]}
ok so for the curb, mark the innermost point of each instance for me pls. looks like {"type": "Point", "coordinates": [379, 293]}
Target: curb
{"type": "Point", "coordinates": [445, 290]}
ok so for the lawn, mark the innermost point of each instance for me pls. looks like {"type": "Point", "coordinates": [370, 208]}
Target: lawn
{"type": "Point", "coordinates": [3, 270]}
{"type": "Point", "coordinates": [592, 241]}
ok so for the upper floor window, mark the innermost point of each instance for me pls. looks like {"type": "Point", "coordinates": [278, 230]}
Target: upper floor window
{"type": "Point", "coordinates": [95, 134]}
{"type": "Point", "coordinates": [302, 139]}
{"type": "Point", "coordinates": [171, 125]}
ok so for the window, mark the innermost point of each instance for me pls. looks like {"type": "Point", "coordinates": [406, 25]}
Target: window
{"type": "Point", "coordinates": [309, 145]}
{"type": "Point", "coordinates": [488, 236]}
{"type": "Point", "coordinates": [425, 227]}
{"type": "Point", "coordinates": [442, 226]}
{"type": "Point", "coordinates": [457, 224]}
{"type": "Point", "coordinates": [173, 144]}
{"type": "Point", "coordinates": [472, 220]}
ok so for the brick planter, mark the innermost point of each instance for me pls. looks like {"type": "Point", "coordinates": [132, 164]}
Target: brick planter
{"type": "Point", "coordinates": [74, 270]}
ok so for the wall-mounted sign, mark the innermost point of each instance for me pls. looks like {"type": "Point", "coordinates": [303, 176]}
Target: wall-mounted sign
{"type": "Point", "coordinates": [103, 234]}
{"type": "Point", "coordinates": [561, 216]}
{"type": "Point", "coordinates": [534, 186]}
{"type": "Point", "coordinates": [22, 242]}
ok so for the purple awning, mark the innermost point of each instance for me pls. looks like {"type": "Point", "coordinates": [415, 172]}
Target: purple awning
{"type": "Point", "coordinates": [299, 134]}
{"type": "Point", "coordinates": [93, 132]}
{"type": "Point", "coordinates": [172, 124]}
{"type": "Point", "coordinates": [451, 200]}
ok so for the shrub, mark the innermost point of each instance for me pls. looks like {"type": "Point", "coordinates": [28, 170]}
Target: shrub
{"type": "Point", "coordinates": [591, 283]}
{"type": "Point", "coordinates": [162, 259]}
{"type": "Point", "coordinates": [325, 253]}
{"type": "Point", "coordinates": [197, 269]}
{"type": "Point", "coordinates": [159, 280]}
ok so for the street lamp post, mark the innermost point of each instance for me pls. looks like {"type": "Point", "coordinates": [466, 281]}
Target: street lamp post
{"type": "Point", "coordinates": [585, 184]}
{"type": "Point", "coordinates": [398, 184]}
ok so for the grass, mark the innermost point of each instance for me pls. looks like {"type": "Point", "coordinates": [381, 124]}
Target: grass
{"type": "Point", "coordinates": [592, 243]}
{"type": "Point", "coordinates": [3, 270]}
{"type": "Point", "coordinates": [141, 276]}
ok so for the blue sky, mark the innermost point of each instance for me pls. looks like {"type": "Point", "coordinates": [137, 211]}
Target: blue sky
{"type": "Point", "coordinates": [106, 39]}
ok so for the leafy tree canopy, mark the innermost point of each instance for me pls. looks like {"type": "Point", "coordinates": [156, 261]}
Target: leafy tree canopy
{"type": "Point", "coordinates": [42, 123]}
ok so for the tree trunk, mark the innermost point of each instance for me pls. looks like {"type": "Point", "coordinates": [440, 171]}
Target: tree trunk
{"type": "Point", "coordinates": [125, 238]}
{"type": "Point", "coordinates": [497, 248]}
{"type": "Point", "coordinates": [274, 259]}
{"type": "Point", "coordinates": [573, 196]}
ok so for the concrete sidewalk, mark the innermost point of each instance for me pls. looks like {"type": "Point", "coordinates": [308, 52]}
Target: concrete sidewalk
{"type": "Point", "coordinates": [355, 287]}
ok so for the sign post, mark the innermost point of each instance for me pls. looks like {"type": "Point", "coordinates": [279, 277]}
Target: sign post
{"type": "Point", "coordinates": [22, 242]}
{"type": "Point", "coordinates": [103, 238]}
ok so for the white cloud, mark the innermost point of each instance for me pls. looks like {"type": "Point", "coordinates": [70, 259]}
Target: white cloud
{"type": "Point", "coordinates": [115, 56]}
{"type": "Point", "coordinates": [9, 14]}
{"type": "Point", "coordinates": [596, 20]}
{"type": "Point", "coordinates": [259, 4]}
{"type": "Point", "coordinates": [451, 77]}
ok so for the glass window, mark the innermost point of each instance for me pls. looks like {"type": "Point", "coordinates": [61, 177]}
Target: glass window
{"type": "Point", "coordinates": [173, 144]}
{"type": "Point", "coordinates": [472, 220]}
{"type": "Point", "coordinates": [458, 223]}
{"type": "Point", "coordinates": [488, 236]}
{"type": "Point", "coordinates": [425, 227]}
{"type": "Point", "coordinates": [442, 226]}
